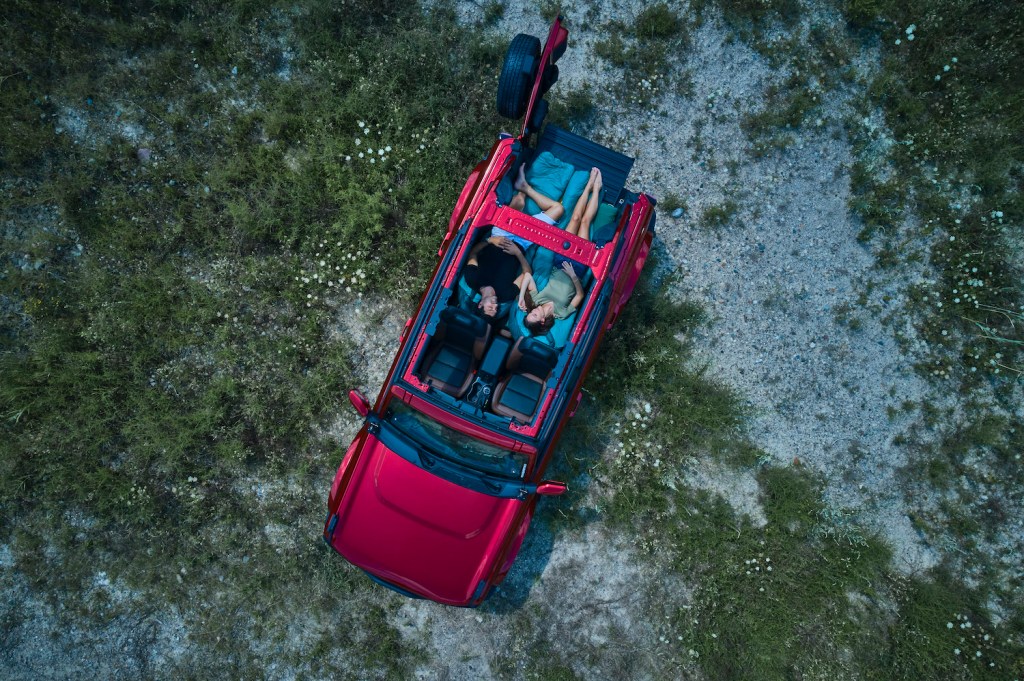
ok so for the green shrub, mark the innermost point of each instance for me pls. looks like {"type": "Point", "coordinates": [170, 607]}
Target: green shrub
{"type": "Point", "coordinates": [172, 364]}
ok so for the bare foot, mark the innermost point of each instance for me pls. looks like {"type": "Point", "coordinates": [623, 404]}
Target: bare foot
{"type": "Point", "coordinates": [521, 183]}
{"type": "Point", "coordinates": [598, 183]}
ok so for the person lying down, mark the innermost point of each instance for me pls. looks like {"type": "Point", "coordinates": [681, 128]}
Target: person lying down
{"type": "Point", "coordinates": [563, 292]}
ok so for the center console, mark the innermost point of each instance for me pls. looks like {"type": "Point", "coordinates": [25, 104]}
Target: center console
{"type": "Point", "coordinates": [487, 373]}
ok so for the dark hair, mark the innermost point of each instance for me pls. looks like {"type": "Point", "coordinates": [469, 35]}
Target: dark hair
{"type": "Point", "coordinates": [543, 325]}
{"type": "Point", "coordinates": [497, 305]}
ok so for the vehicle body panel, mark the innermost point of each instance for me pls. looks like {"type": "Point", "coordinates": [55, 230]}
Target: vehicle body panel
{"type": "Point", "coordinates": [413, 529]}
{"type": "Point", "coordinates": [398, 515]}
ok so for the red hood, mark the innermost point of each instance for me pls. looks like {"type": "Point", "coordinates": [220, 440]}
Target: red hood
{"type": "Point", "coordinates": [416, 530]}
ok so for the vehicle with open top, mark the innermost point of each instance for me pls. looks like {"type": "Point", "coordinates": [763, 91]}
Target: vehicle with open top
{"type": "Point", "coordinates": [435, 494]}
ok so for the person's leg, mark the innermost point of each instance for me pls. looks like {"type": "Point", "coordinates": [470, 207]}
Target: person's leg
{"type": "Point", "coordinates": [586, 208]}
{"type": "Point", "coordinates": [581, 204]}
{"type": "Point", "coordinates": [592, 206]}
{"type": "Point", "coordinates": [553, 209]}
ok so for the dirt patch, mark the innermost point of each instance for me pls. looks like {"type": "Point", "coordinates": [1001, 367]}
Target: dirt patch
{"type": "Point", "coordinates": [580, 592]}
{"type": "Point", "coordinates": [42, 641]}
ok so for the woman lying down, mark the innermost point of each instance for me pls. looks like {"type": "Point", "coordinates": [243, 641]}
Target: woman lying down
{"type": "Point", "coordinates": [563, 292]}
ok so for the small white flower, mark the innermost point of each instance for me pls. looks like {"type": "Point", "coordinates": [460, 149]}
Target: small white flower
{"type": "Point", "coordinates": [358, 141]}
{"type": "Point", "coordinates": [956, 651]}
{"type": "Point", "coordinates": [938, 77]}
{"type": "Point", "coordinates": [911, 28]}
{"type": "Point", "coordinates": [954, 60]}
{"type": "Point", "coordinates": [910, 37]}
{"type": "Point", "coordinates": [898, 41]}
{"type": "Point", "coordinates": [945, 68]}
{"type": "Point", "coordinates": [360, 124]}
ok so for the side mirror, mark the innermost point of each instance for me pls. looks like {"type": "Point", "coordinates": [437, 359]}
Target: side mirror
{"type": "Point", "coordinates": [549, 488]}
{"type": "Point", "coordinates": [361, 404]}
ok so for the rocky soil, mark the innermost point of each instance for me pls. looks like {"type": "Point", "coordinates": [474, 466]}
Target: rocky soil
{"type": "Point", "coordinates": [774, 279]}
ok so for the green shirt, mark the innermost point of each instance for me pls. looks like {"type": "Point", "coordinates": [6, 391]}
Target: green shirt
{"type": "Point", "coordinates": [560, 291]}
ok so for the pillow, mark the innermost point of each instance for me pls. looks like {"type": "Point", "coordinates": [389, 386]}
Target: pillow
{"type": "Point", "coordinates": [557, 336]}
{"type": "Point", "coordinates": [541, 263]}
{"type": "Point", "coordinates": [605, 222]}
{"type": "Point", "coordinates": [549, 176]}
{"type": "Point", "coordinates": [573, 192]}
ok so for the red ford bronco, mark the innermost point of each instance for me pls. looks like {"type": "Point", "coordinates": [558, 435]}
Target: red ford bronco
{"type": "Point", "coordinates": [434, 496]}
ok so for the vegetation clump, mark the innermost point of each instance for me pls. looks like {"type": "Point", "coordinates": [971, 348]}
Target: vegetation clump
{"type": "Point", "coordinates": [192, 222]}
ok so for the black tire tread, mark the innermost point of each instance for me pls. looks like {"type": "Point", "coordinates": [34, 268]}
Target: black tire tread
{"type": "Point", "coordinates": [513, 84]}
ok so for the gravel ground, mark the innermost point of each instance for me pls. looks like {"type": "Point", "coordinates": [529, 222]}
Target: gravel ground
{"type": "Point", "coordinates": [772, 280]}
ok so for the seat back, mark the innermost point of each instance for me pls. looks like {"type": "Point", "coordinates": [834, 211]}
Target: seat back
{"type": "Point", "coordinates": [529, 364]}
{"type": "Point", "coordinates": [463, 330]}
{"type": "Point", "coordinates": [455, 350]}
{"type": "Point", "coordinates": [534, 357]}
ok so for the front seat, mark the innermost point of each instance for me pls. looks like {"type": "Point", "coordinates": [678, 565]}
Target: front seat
{"type": "Point", "coordinates": [455, 351]}
{"type": "Point", "coordinates": [529, 365]}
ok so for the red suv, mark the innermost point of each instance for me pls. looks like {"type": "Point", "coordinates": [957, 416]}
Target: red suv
{"type": "Point", "coordinates": [434, 496]}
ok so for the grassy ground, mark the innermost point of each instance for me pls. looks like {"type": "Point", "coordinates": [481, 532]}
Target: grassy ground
{"type": "Point", "coordinates": [191, 192]}
{"type": "Point", "coordinates": [805, 590]}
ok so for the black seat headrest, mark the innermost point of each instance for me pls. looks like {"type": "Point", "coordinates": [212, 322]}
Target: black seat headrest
{"type": "Point", "coordinates": [538, 358]}
{"type": "Point", "coordinates": [463, 319]}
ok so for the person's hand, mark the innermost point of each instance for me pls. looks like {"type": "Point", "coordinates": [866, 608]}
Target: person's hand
{"type": "Point", "coordinates": [567, 268]}
{"type": "Point", "coordinates": [508, 245]}
{"type": "Point", "coordinates": [522, 305]}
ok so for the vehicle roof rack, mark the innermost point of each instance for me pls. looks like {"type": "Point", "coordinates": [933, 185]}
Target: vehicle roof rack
{"type": "Point", "coordinates": [585, 154]}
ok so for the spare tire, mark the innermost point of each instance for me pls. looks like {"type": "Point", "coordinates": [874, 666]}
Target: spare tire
{"type": "Point", "coordinates": [517, 75]}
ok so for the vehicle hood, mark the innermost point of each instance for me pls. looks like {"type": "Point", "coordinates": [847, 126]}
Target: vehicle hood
{"type": "Point", "coordinates": [419, 531]}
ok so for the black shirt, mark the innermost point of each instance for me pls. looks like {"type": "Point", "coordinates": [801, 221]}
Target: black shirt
{"type": "Point", "coordinates": [496, 268]}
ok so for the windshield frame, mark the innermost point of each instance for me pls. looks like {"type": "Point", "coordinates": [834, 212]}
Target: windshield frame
{"type": "Point", "coordinates": [438, 439]}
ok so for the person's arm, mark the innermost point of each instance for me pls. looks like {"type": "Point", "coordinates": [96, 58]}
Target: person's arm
{"type": "Point", "coordinates": [512, 248]}
{"type": "Point", "coordinates": [578, 298]}
{"type": "Point", "coordinates": [476, 250]}
{"type": "Point", "coordinates": [525, 283]}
